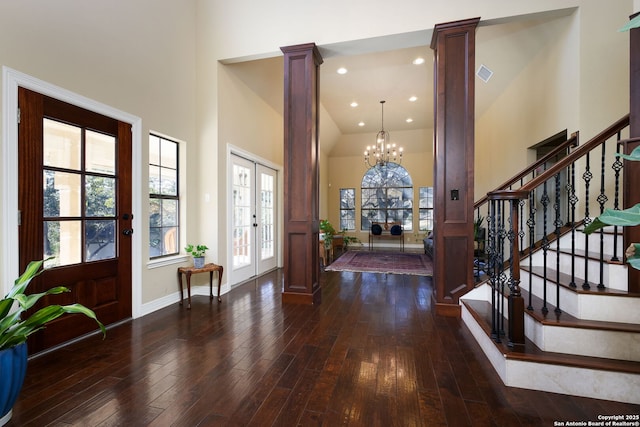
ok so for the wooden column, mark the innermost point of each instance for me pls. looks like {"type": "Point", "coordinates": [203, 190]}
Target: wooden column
{"type": "Point", "coordinates": [632, 169]}
{"type": "Point", "coordinates": [301, 180]}
{"type": "Point", "coordinates": [454, 46]}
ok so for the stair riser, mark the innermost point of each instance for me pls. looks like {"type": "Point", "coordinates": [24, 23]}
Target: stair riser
{"type": "Point", "coordinates": [584, 382]}
{"type": "Point", "coordinates": [584, 342]}
{"type": "Point", "coordinates": [565, 265]}
{"type": "Point", "coordinates": [613, 275]}
{"type": "Point", "coordinates": [594, 242]}
{"type": "Point", "coordinates": [581, 239]}
{"type": "Point", "coordinates": [585, 306]}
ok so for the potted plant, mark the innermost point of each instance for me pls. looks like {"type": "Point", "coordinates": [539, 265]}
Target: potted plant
{"type": "Point", "coordinates": [197, 252]}
{"type": "Point", "coordinates": [327, 232]}
{"type": "Point", "coordinates": [16, 326]}
{"type": "Point", "coordinates": [348, 240]}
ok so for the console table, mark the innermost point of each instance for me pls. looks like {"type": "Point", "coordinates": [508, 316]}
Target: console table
{"type": "Point", "coordinates": [207, 268]}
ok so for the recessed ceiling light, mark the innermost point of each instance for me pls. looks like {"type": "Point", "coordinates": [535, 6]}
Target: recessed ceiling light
{"type": "Point", "coordinates": [418, 61]}
{"type": "Point", "coordinates": [361, 124]}
{"type": "Point", "coordinates": [342, 70]}
{"type": "Point", "coordinates": [413, 99]}
{"type": "Point", "coordinates": [354, 104]}
{"type": "Point", "coordinates": [409, 120]}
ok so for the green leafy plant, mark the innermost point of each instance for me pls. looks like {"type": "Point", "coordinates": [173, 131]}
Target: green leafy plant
{"type": "Point", "coordinates": [327, 229]}
{"type": "Point", "coordinates": [14, 329]}
{"type": "Point", "coordinates": [349, 240]}
{"type": "Point", "coordinates": [477, 226]}
{"type": "Point", "coordinates": [624, 218]}
{"type": "Point", "coordinates": [196, 251]}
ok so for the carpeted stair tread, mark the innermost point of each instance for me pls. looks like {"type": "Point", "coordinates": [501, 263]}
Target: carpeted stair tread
{"type": "Point", "coordinates": [481, 311]}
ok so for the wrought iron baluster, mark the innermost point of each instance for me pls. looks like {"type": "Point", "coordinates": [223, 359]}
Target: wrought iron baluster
{"type": "Point", "coordinates": [521, 233]}
{"type": "Point", "coordinates": [617, 167]}
{"type": "Point", "coordinates": [573, 200]}
{"type": "Point", "coordinates": [501, 274]}
{"type": "Point", "coordinates": [531, 223]}
{"type": "Point", "coordinates": [558, 223]}
{"type": "Point", "coordinates": [602, 199]}
{"type": "Point", "coordinates": [545, 245]}
{"type": "Point", "coordinates": [586, 176]}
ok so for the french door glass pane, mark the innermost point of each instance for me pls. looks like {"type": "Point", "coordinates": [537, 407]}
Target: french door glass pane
{"type": "Point", "coordinates": [99, 240]}
{"type": "Point", "coordinates": [241, 216]}
{"type": "Point", "coordinates": [267, 220]}
{"type": "Point", "coordinates": [63, 241]}
{"type": "Point", "coordinates": [61, 145]}
{"type": "Point", "coordinates": [61, 194]}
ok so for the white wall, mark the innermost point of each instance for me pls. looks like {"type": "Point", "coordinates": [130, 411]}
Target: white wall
{"type": "Point", "coordinates": [138, 57]}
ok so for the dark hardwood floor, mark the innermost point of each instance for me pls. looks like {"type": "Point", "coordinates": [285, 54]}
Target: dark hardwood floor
{"type": "Point", "coordinates": [372, 354]}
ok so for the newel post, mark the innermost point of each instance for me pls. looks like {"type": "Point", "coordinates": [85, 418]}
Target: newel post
{"type": "Point", "coordinates": [516, 302]}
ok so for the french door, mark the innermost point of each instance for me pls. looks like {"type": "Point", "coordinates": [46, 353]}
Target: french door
{"type": "Point", "coordinates": [253, 219]}
{"type": "Point", "coordinates": [75, 204]}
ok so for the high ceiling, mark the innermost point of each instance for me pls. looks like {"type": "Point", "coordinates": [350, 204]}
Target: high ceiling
{"type": "Point", "coordinates": [382, 69]}
{"type": "Point", "coordinates": [373, 77]}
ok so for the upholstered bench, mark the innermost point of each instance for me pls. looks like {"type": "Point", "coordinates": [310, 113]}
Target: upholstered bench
{"type": "Point", "coordinates": [395, 232]}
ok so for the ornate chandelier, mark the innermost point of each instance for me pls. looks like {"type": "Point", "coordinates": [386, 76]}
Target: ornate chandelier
{"type": "Point", "coordinates": [383, 152]}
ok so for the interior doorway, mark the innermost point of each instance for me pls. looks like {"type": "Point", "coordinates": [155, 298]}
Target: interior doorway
{"type": "Point", "coordinates": [555, 198]}
{"type": "Point", "coordinates": [253, 218]}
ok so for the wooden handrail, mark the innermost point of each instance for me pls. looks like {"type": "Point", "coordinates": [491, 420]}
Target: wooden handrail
{"type": "Point", "coordinates": [577, 153]}
{"type": "Point", "coordinates": [571, 142]}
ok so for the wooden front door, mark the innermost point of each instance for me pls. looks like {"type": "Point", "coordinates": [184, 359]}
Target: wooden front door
{"type": "Point", "coordinates": [75, 209]}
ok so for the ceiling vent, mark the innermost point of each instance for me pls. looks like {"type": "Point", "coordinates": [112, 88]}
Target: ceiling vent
{"type": "Point", "coordinates": [484, 73]}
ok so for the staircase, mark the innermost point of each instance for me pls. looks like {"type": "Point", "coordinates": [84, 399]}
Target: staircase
{"type": "Point", "coordinates": [555, 313]}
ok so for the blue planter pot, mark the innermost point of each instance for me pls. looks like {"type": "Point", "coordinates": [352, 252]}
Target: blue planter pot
{"type": "Point", "coordinates": [13, 368]}
{"type": "Point", "coordinates": [198, 262]}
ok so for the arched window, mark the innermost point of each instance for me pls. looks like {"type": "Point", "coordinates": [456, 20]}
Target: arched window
{"type": "Point", "coordinates": [387, 196]}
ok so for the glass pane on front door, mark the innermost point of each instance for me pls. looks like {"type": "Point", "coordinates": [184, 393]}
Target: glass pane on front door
{"type": "Point", "coordinates": [79, 194]}
{"type": "Point", "coordinates": [62, 243]}
{"type": "Point", "coordinates": [61, 194]}
{"type": "Point", "coordinates": [61, 145]}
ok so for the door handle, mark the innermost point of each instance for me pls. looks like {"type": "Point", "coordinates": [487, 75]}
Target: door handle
{"type": "Point", "coordinates": [127, 231]}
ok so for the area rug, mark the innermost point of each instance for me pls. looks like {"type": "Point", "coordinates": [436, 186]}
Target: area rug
{"type": "Point", "coordinates": [383, 262]}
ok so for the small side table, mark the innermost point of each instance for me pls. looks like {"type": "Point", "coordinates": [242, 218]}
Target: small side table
{"type": "Point", "coordinates": [188, 271]}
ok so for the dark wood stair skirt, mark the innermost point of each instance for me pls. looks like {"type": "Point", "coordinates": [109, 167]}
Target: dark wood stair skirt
{"type": "Point", "coordinates": [529, 352]}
